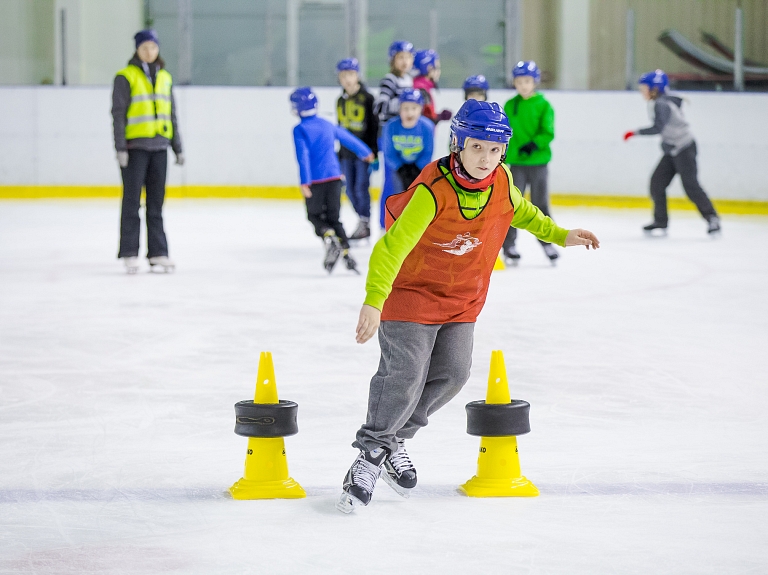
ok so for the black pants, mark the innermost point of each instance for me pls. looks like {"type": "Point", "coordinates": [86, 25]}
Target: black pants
{"type": "Point", "coordinates": [536, 177]}
{"type": "Point", "coordinates": [684, 164]}
{"type": "Point", "coordinates": [144, 169]}
{"type": "Point", "coordinates": [323, 209]}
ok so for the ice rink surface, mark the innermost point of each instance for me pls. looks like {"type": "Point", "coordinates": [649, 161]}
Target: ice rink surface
{"type": "Point", "coordinates": [645, 363]}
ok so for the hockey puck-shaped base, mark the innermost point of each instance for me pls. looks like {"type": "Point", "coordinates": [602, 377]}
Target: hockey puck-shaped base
{"type": "Point", "coordinates": [498, 419]}
{"type": "Point", "coordinates": [266, 419]}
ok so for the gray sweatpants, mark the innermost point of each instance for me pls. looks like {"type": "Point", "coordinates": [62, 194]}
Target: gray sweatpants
{"type": "Point", "coordinates": [536, 177]}
{"type": "Point", "coordinates": [422, 368]}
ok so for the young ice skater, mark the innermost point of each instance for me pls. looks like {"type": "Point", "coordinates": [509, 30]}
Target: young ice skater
{"type": "Point", "coordinates": [387, 103]}
{"type": "Point", "coordinates": [408, 140]}
{"type": "Point", "coordinates": [476, 88]}
{"type": "Point", "coordinates": [320, 174]}
{"type": "Point", "coordinates": [354, 111]}
{"type": "Point", "coordinates": [533, 128]}
{"type": "Point", "coordinates": [427, 282]}
{"type": "Point", "coordinates": [427, 62]}
{"type": "Point", "coordinates": [679, 149]}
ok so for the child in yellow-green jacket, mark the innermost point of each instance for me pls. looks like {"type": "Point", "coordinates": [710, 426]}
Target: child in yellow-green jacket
{"type": "Point", "coordinates": [532, 120]}
{"type": "Point", "coordinates": [427, 282]}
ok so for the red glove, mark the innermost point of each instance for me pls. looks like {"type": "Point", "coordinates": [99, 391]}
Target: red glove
{"type": "Point", "coordinates": [628, 135]}
{"type": "Point", "coordinates": [444, 115]}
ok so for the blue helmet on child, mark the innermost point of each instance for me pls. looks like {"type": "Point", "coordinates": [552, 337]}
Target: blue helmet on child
{"type": "Point", "coordinates": [424, 59]}
{"type": "Point", "coordinates": [348, 64]}
{"type": "Point", "coordinates": [304, 101]}
{"type": "Point", "coordinates": [482, 121]}
{"type": "Point", "coordinates": [527, 68]}
{"type": "Point", "coordinates": [656, 79]}
{"type": "Point", "coordinates": [411, 95]}
{"type": "Point", "coordinates": [399, 46]}
{"type": "Point", "coordinates": [475, 83]}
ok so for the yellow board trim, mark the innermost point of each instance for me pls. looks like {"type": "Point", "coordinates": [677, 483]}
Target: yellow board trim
{"type": "Point", "coordinates": [747, 207]}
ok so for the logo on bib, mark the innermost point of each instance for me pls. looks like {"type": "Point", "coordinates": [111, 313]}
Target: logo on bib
{"type": "Point", "coordinates": [463, 244]}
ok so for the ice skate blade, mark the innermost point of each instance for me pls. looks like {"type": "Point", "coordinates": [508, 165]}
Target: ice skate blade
{"type": "Point", "coordinates": [403, 492]}
{"type": "Point", "coordinates": [131, 271]}
{"type": "Point", "coordinates": [512, 262]}
{"type": "Point", "coordinates": [159, 269]}
{"type": "Point", "coordinates": [657, 233]}
{"type": "Point", "coordinates": [348, 503]}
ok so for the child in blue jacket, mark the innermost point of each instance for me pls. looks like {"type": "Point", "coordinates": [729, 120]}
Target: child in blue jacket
{"type": "Point", "coordinates": [320, 173]}
{"type": "Point", "coordinates": [408, 140]}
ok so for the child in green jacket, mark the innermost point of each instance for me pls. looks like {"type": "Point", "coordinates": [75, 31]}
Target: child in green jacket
{"type": "Point", "coordinates": [533, 128]}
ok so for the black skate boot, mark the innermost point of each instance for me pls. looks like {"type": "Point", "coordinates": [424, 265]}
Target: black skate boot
{"type": "Point", "coordinates": [713, 226]}
{"type": "Point", "coordinates": [332, 250]}
{"type": "Point", "coordinates": [511, 255]}
{"type": "Point", "coordinates": [551, 252]}
{"type": "Point", "coordinates": [399, 472]}
{"type": "Point", "coordinates": [363, 230]}
{"type": "Point", "coordinates": [649, 229]}
{"type": "Point", "coordinates": [361, 479]}
{"type": "Point", "coordinates": [349, 262]}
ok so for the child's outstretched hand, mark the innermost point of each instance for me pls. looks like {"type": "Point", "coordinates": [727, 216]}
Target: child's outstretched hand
{"type": "Point", "coordinates": [368, 323]}
{"type": "Point", "coordinates": [580, 237]}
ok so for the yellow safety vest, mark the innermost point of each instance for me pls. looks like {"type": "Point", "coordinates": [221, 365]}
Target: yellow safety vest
{"type": "Point", "coordinates": [149, 114]}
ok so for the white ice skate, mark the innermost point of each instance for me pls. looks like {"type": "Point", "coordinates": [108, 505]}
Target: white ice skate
{"type": "Point", "coordinates": [162, 264]}
{"type": "Point", "coordinates": [131, 265]}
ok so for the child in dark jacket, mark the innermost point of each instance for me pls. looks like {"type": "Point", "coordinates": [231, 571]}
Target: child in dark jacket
{"type": "Point", "coordinates": [320, 174]}
{"type": "Point", "coordinates": [679, 153]}
{"type": "Point", "coordinates": [354, 111]}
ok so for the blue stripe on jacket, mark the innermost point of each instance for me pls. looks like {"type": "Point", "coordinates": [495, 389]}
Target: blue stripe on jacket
{"type": "Point", "coordinates": [315, 140]}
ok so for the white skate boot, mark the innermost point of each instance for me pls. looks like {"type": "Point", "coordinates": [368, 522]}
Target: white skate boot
{"type": "Point", "coordinates": [131, 265]}
{"type": "Point", "coordinates": [162, 264]}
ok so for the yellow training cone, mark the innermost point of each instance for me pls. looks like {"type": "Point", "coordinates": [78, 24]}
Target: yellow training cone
{"type": "Point", "coordinates": [499, 265]}
{"type": "Point", "coordinates": [265, 421]}
{"type": "Point", "coordinates": [498, 420]}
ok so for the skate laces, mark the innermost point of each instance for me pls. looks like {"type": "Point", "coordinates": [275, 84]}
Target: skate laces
{"type": "Point", "coordinates": [363, 475]}
{"type": "Point", "coordinates": [400, 460]}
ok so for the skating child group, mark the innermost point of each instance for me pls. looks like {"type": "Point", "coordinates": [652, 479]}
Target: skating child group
{"type": "Point", "coordinates": [445, 221]}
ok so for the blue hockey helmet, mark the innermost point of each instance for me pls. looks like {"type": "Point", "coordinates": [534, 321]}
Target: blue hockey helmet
{"type": "Point", "coordinates": [424, 59]}
{"type": "Point", "coordinates": [656, 79]}
{"type": "Point", "coordinates": [348, 64]}
{"type": "Point", "coordinates": [411, 95]}
{"type": "Point", "coordinates": [399, 46]}
{"type": "Point", "coordinates": [475, 83]}
{"type": "Point", "coordinates": [527, 68]}
{"type": "Point", "coordinates": [304, 101]}
{"type": "Point", "coordinates": [480, 120]}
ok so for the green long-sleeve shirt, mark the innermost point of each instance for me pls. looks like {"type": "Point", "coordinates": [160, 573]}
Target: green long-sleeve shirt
{"type": "Point", "coordinates": [390, 251]}
{"type": "Point", "coordinates": [531, 120]}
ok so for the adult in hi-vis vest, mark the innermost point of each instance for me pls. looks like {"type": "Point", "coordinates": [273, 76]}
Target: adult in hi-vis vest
{"type": "Point", "coordinates": [144, 121]}
{"type": "Point", "coordinates": [427, 282]}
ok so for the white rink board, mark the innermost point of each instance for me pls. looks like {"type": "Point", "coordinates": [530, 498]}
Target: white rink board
{"type": "Point", "coordinates": [243, 136]}
{"type": "Point", "coordinates": [644, 364]}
